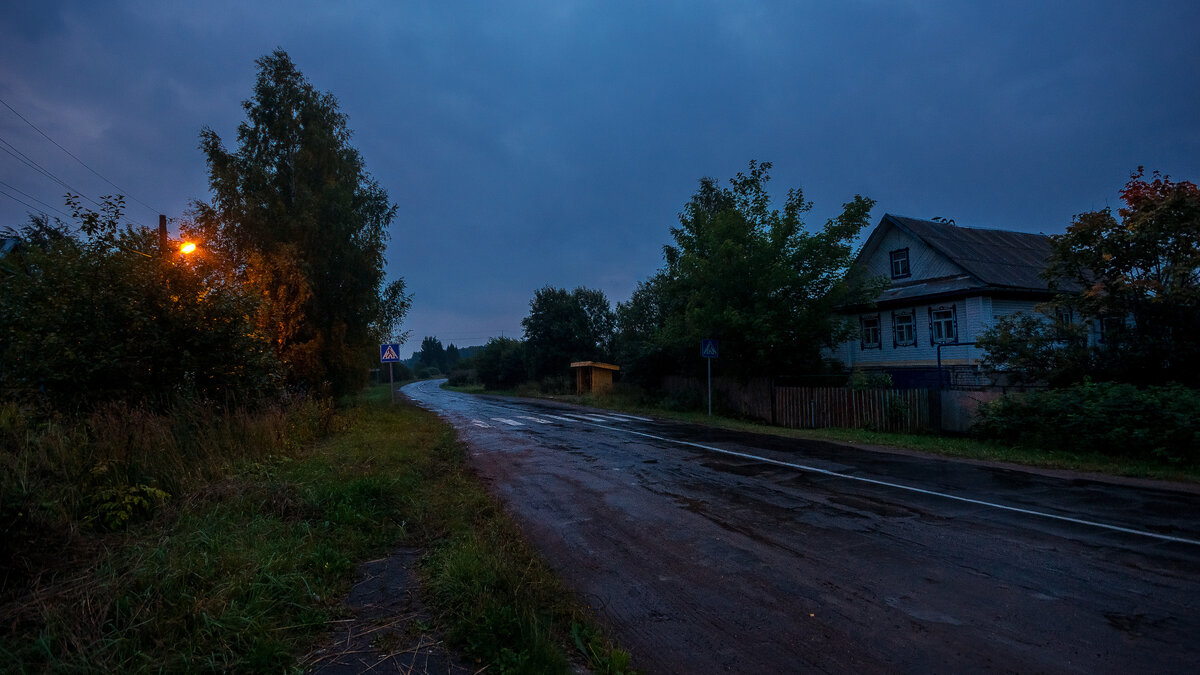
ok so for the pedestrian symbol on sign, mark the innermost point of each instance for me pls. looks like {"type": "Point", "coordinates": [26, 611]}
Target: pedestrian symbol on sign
{"type": "Point", "coordinates": [708, 349]}
{"type": "Point", "coordinates": [389, 353]}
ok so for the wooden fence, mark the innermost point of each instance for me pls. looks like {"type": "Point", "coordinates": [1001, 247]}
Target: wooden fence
{"type": "Point", "coordinates": [902, 410]}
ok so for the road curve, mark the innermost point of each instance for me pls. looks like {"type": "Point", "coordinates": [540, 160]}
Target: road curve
{"type": "Point", "coordinates": [712, 551]}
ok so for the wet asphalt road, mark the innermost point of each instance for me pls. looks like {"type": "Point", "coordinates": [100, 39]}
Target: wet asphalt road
{"type": "Point", "coordinates": [835, 558]}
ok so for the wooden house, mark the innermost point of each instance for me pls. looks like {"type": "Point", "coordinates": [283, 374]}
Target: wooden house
{"type": "Point", "coordinates": [946, 284]}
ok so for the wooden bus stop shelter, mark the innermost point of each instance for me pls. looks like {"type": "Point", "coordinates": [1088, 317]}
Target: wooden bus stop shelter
{"type": "Point", "coordinates": [593, 376]}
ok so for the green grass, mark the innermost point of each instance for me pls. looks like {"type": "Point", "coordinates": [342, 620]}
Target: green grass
{"type": "Point", "coordinates": [949, 446]}
{"type": "Point", "coordinates": [246, 571]}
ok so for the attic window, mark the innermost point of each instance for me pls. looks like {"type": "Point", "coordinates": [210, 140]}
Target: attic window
{"type": "Point", "coordinates": [900, 267]}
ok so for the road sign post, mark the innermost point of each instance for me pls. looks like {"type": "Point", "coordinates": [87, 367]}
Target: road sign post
{"type": "Point", "coordinates": [389, 354]}
{"type": "Point", "coordinates": [708, 350]}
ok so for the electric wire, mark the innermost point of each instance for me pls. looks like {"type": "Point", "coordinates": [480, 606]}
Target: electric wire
{"type": "Point", "coordinates": [81, 162]}
{"type": "Point", "coordinates": [22, 201]}
{"type": "Point", "coordinates": [52, 208]}
{"type": "Point", "coordinates": [29, 162]}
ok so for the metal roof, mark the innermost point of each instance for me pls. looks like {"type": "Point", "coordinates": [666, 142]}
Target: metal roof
{"type": "Point", "coordinates": [998, 258]}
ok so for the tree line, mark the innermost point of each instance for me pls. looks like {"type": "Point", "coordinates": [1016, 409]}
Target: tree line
{"type": "Point", "coordinates": [759, 281]}
{"type": "Point", "coordinates": [738, 270]}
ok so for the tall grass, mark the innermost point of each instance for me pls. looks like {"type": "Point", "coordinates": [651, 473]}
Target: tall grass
{"type": "Point", "coordinates": [244, 566]}
{"type": "Point", "coordinates": [70, 486]}
{"type": "Point", "coordinates": [53, 466]}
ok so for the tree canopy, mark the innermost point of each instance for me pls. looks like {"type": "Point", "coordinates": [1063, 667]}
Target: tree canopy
{"type": "Point", "coordinates": [753, 277]}
{"type": "Point", "coordinates": [565, 326]}
{"type": "Point", "coordinates": [91, 318]}
{"type": "Point", "coordinates": [1139, 274]}
{"type": "Point", "coordinates": [294, 209]}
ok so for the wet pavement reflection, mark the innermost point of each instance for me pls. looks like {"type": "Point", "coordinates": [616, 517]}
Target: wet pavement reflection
{"type": "Point", "coordinates": [703, 561]}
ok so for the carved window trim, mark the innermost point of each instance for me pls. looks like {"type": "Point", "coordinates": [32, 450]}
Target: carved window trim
{"type": "Point", "coordinates": [900, 263]}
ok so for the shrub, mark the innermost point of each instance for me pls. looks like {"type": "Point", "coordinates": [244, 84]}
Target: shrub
{"type": "Point", "coordinates": [461, 377]}
{"type": "Point", "coordinates": [501, 363]}
{"type": "Point", "coordinates": [86, 321]}
{"type": "Point", "coordinates": [861, 380]}
{"type": "Point", "coordinates": [1156, 423]}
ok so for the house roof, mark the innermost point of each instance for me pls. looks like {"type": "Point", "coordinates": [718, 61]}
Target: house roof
{"type": "Point", "coordinates": [998, 258]}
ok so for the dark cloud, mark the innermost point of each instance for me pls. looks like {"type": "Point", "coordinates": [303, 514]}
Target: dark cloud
{"type": "Point", "coordinates": [553, 142]}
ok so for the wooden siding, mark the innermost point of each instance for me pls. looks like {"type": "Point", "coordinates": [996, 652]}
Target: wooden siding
{"type": "Point", "coordinates": [923, 261]}
{"type": "Point", "coordinates": [974, 315]}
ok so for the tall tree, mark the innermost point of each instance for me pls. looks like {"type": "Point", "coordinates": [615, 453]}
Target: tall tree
{"type": "Point", "coordinates": [433, 355]}
{"type": "Point", "coordinates": [565, 326]}
{"type": "Point", "coordinates": [1139, 275]}
{"type": "Point", "coordinates": [639, 321]}
{"type": "Point", "coordinates": [753, 277]}
{"type": "Point", "coordinates": [294, 207]}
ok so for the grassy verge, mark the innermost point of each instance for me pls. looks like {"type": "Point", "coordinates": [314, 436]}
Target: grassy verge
{"type": "Point", "coordinates": [245, 570]}
{"type": "Point", "coordinates": [949, 446]}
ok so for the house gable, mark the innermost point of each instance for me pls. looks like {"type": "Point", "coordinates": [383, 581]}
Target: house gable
{"type": "Point", "coordinates": [924, 261]}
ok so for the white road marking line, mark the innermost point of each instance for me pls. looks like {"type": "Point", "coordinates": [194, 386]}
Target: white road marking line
{"type": "Point", "coordinates": [534, 419]}
{"type": "Point", "coordinates": [589, 418]}
{"type": "Point", "coordinates": [480, 423]}
{"type": "Point", "coordinates": [508, 421]}
{"type": "Point", "coordinates": [629, 417]}
{"type": "Point", "coordinates": [562, 419]}
{"type": "Point", "coordinates": [909, 488]}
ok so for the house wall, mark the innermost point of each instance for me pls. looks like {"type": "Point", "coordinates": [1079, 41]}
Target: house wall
{"type": "Point", "coordinates": [974, 314]}
{"type": "Point", "coordinates": [923, 261]}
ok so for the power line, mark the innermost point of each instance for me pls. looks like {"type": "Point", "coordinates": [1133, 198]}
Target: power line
{"type": "Point", "coordinates": [25, 159]}
{"type": "Point", "coordinates": [17, 189]}
{"type": "Point", "coordinates": [29, 162]}
{"type": "Point", "coordinates": [72, 155]}
{"type": "Point", "coordinates": [21, 201]}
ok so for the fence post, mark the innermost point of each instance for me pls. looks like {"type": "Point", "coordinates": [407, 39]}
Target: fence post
{"type": "Point", "coordinates": [772, 400]}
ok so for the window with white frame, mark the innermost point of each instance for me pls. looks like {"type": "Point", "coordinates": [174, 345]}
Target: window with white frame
{"type": "Point", "coordinates": [943, 326]}
{"type": "Point", "coordinates": [900, 268]}
{"type": "Point", "coordinates": [904, 329]}
{"type": "Point", "coordinates": [870, 332]}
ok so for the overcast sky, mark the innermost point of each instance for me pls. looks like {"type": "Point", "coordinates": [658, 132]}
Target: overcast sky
{"type": "Point", "coordinates": [535, 143]}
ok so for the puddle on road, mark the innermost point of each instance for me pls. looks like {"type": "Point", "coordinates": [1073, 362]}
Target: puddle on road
{"type": "Point", "coordinates": [882, 509]}
{"type": "Point", "coordinates": [741, 469]}
{"type": "Point", "coordinates": [909, 606]}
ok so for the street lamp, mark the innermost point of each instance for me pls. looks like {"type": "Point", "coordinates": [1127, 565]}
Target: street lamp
{"type": "Point", "coordinates": [187, 247]}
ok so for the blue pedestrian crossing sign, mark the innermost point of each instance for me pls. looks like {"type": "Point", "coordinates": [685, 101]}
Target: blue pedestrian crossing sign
{"type": "Point", "coordinates": [708, 349]}
{"type": "Point", "coordinates": [389, 353]}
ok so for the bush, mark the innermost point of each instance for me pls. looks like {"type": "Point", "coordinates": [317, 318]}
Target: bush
{"type": "Point", "coordinates": [861, 380]}
{"type": "Point", "coordinates": [84, 322]}
{"type": "Point", "coordinates": [1155, 423]}
{"type": "Point", "coordinates": [501, 363]}
{"type": "Point", "coordinates": [462, 377]}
